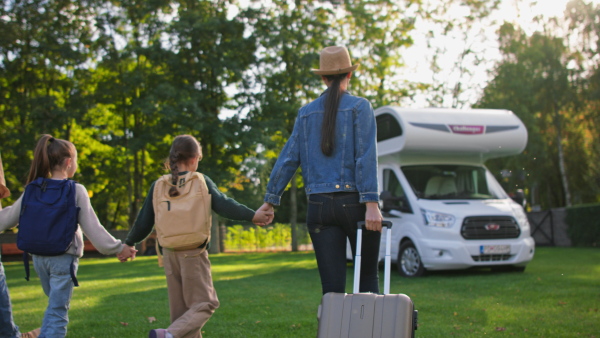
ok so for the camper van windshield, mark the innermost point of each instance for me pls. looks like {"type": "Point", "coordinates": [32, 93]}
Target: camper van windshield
{"type": "Point", "coordinates": [452, 182]}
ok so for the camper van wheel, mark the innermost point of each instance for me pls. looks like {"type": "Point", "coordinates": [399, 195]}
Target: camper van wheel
{"type": "Point", "coordinates": [409, 261]}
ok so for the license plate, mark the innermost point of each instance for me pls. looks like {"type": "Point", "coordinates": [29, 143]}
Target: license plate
{"type": "Point", "coordinates": [494, 249]}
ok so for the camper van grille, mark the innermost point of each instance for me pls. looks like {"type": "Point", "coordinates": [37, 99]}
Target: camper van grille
{"type": "Point", "coordinates": [491, 258]}
{"type": "Point", "coordinates": [490, 227]}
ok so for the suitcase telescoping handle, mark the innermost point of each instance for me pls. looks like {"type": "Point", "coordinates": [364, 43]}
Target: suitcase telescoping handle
{"type": "Point", "coordinates": [388, 261]}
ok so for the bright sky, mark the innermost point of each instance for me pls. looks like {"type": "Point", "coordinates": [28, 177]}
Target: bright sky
{"type": "Point", "coordinates": [520, 12]}
{"type": "Point", "coordinates": [544, 7]}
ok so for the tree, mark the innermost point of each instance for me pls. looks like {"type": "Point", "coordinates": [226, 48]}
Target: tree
{"type": "Point", "coordinates": [2, 180]}
{"type": "Point", "coordinates": [44, 48]}
{"type": "Point", "coordinates": [377, 32]}
{"type": "Point", "coordinates": [534, 81]}
{"type": "Point", "coordinates": [583, 35]}
{"type": "Point", "coordinates": [126, 91]}
{"type": "Point", "coordinates": [290, 36]}
{"type": "Point", "coordinates": [455, 34]}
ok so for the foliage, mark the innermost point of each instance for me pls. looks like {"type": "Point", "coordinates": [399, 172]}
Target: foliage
{"type": "Point", "coordinates": [548, 81]}
{"type": "Point", "coordinates": [460, 48]}
{"type": "Point", "coordinates": [584, 225]}
{"type": "Point", "coordinates": [122, 78]}
{"type": "Point", "coordinates": [378, 32]}
{"type": "Point", "coordinates": [277, 295]}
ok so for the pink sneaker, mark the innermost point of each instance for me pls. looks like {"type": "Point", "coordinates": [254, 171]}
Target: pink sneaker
{"type": "Point", "coordinates": [158, 333]}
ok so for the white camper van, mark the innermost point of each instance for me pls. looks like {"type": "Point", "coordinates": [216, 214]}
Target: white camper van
{"type": "Point", "coordinates": [448, 211]}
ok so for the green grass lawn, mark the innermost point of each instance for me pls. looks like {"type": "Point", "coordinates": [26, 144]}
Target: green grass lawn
{"type": "Point", "coordinates": [277, 295]}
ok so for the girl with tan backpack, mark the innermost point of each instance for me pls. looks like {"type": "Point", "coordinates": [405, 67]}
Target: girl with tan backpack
{"type": "Point", "coordinates": [179, 206]}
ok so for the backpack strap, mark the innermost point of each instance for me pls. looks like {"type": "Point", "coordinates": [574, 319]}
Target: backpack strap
{"type": "Point", "coordinates": [188, 177]}
{"type": "Point", "coordinates": [71, 269]}
{"type": "Point", "coordinates": [167, 179]}
{"type": "Point", "coordinates": [203, 188]}
{"type": "Point", "coordinates": [73, 185]}
{"type": "Point", "coordinates": [26, 264]}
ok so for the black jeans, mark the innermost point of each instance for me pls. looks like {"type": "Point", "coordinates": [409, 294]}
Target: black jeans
{"type": "Point", "coordinates": [331, 219]}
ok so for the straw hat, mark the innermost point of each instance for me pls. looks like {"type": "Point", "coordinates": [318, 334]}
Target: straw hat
{"type": "Point", "coordinates": [335, 60]}
{"type": "Point", "coordinates": [4, 192]}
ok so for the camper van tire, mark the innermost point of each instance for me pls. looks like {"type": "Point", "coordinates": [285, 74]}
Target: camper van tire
{"type": "Point", "coordinates": [409, 261]}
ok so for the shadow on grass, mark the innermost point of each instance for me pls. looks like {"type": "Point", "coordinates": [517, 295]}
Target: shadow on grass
{"type": "Point", "coordinates": [277, 295]}
{"type": "Point", "coordinates": [261, 295]}
{"type": "Point", "coordinates": [131, 314]}
{"type": "Point", "coordinates": [281, 302]}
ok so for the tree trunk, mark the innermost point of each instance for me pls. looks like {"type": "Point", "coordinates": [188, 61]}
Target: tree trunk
{"type": "Point", "coordinates": [215, 242]}
{"type": "Point", "coordinates": [2, 180]}
{"type": "Point", "coordinates": [134, 189]}
{"type": "Point", "coordinates": [222, 237]}
{"type": "Point", "coordinates": [561, 158]}
{"type": "Point", "coordinates": [294, 212]}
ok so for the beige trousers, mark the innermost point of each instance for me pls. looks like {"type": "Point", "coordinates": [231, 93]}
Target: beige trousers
{"type": "Point", "coordinates": [192, 297]}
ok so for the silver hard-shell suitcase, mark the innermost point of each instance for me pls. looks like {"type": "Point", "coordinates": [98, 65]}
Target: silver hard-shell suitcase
{"type": "Point", "coordinates": [364, 315]}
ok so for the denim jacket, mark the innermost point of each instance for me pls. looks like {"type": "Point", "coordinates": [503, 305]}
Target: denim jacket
{"type": "Point", "coordinates": [352, 166]}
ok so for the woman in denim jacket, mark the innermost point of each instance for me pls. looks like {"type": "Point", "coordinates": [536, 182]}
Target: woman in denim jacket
{"type": "Point", "coordinates": [334, 141]}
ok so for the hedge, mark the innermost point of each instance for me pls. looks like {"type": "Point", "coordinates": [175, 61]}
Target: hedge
{"type": "Point", "coordinates": [584, 225]}
{"type": "Point", "coordinates": [255, 238]}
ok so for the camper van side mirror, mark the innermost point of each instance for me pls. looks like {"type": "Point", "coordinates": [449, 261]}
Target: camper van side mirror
{"type": "Point", "coordinates": [519, 197]}
{"type": "Point", "coordinates": [386, 198]}
{"type": "Point", "coordinates": [393, 203]}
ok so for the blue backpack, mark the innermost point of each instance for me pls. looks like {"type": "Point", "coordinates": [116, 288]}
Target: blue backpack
{"type": "Point", "coordinates": [48, 219]}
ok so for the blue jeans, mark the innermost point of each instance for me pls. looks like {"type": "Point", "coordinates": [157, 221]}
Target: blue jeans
{"type": "Point", "coordinates": [55, 276]}
{"type": "Point", "coordinates": [331, 220]}
{"type": "Point", "coordinates": [8, 328]}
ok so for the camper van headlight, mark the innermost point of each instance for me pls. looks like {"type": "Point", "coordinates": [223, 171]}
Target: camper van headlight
{"type": "Point", "coordinates": [437, 219]}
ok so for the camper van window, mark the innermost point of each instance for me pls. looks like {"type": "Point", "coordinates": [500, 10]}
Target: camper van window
{"type": "Point", "coordinates": [452, 182]}
{"type": "Point", "coordinates": [393, 196]}
{"type": "Point", "coordinates": [387, 127]}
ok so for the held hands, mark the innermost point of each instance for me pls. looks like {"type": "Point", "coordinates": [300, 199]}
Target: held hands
{"type": "Point", "coordinates": [264, 215]}
{"type": "Point", "coordinates": [126, 253]}
{"type": "Point", "coordinates": [373, 217]}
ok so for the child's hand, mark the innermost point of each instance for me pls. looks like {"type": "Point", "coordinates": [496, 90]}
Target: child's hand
{"type": "Point", "coordinates": [126, 253]}
{"type": "Point", "coordinates": [264, 215]}
{"type": "Point", "coordinates": [4, 192]}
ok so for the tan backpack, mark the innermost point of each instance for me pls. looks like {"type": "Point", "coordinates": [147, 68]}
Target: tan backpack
{"type": "Point", "coordinates": [182, 222]}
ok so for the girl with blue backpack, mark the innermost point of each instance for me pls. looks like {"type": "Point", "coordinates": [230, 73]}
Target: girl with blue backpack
{"type": "Point", "coordinates": [53, 214]}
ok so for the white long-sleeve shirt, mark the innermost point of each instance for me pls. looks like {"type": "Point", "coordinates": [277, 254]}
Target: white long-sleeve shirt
{"type": "Point", "coordinates": [102, 240]}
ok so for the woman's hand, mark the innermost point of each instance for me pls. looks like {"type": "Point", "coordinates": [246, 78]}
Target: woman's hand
{"type": "Point", "coordinates": [373, 217]}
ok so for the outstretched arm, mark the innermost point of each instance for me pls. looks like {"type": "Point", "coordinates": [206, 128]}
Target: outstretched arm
{"type": "Point", "coordinates": [226, 206]}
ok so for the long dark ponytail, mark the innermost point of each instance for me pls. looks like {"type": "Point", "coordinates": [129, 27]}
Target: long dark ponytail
{"type": "Point", "coordinates": [332, 102]}
{"type": "Point", "coordinates": [184, 148]}
{"type": "Point", "coordinates": [48, 154]}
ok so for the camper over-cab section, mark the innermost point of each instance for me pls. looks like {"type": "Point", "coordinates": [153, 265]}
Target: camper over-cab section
{"type": "Point", "coordinates": [435, 133]}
